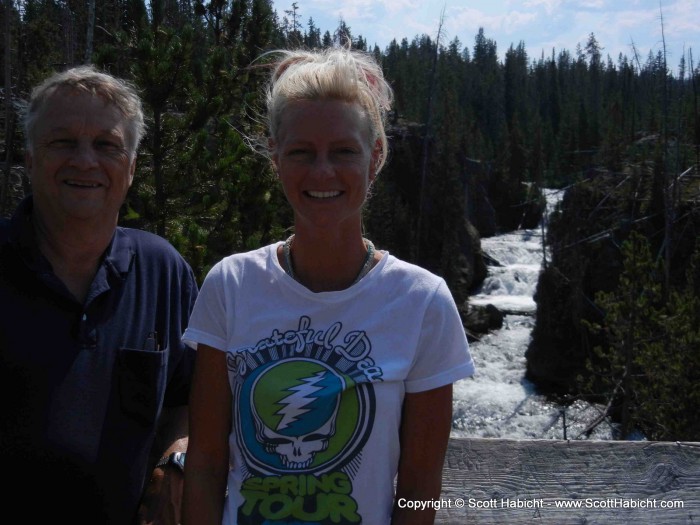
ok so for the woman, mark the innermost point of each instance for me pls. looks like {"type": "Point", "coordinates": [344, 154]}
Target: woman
{"type": "Point", "coordinates": [324, 366]}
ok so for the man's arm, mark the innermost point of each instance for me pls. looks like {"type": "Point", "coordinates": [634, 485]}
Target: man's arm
{"type": "Point", "coordinates": [162, 498]}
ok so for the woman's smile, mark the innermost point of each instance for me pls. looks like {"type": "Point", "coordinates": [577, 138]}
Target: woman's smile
{"type": "Point", "coordinates": [323, 194]}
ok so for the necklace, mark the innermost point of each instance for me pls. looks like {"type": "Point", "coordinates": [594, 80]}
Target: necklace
{"type": "Point", "coordinates": [366, 266]}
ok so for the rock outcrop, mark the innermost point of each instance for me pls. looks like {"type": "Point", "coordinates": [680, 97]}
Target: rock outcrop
{"type": "Point", "coordinates": [595, 217]}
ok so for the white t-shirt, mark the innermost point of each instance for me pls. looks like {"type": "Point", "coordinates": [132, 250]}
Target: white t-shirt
{"type": "Point", "coordinates": [318, 381]}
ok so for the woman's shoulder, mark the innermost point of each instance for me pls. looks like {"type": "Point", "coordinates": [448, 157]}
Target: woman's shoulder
{"type": "Point", "coordinates": [235, 264]}
{"type": "Point", "coordinates": [415, 278]}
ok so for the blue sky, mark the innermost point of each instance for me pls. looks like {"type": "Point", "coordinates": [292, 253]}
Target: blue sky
{"type": "Point", "coordinates": [541, 24]}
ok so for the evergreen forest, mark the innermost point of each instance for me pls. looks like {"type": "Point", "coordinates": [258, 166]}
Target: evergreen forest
{"type": "Point", "coordinates": [473, 139]}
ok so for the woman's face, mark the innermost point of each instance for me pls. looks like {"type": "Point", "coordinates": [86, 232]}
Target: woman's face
{"type": "Point", "coordinates": [326, 160]}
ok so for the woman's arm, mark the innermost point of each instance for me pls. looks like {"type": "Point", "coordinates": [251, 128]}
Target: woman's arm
{"type": "Point", "coordinates": [425, 428]}
{"type": "Point", "coordinates": [207, 465]}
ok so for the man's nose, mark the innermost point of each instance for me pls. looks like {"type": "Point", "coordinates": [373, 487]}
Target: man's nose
{"type": "Point", "coordinates": [84, 156]}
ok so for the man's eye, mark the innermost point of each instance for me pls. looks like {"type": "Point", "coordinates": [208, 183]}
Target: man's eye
{"type": "Point", "coordinates": [109, 145]}
{"type": "Point", "coordinates": [62, 143]}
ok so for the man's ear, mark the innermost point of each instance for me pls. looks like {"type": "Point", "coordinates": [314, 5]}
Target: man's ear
{"type": "Point", "coordinates": [28, 163]}
{"type": "Point", "coordinates": [132, 170]}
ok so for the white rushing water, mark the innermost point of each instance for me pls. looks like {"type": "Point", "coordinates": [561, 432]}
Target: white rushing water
{"type": "Point", "coordinates": [498, 402]}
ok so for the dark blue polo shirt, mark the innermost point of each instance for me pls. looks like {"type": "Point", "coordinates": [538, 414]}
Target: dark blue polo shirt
{"type": "Point", "coordinates": [83, 385]}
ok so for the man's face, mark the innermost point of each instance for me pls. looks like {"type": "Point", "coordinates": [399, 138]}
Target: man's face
{"type": "Point", "coordinates": [79, 164]}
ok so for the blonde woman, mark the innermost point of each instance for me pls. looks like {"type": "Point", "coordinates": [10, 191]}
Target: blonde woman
{"type": "Point", "coordinates": [323, 385]}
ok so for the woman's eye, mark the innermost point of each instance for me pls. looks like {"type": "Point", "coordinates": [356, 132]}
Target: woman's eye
{"type": "Point", "coordinates": [299, 153]}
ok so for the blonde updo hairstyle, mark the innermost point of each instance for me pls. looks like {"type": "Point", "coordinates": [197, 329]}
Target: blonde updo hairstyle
{"type": "Point", "coordinates": [336, 74]}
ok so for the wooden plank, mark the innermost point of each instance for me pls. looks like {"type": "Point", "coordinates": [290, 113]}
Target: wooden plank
{"type": "Point", "coordinates": [502, 481]}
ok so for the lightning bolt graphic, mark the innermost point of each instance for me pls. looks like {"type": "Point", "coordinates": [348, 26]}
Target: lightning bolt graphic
{"type": "Point", "coordinates": [301, 397]}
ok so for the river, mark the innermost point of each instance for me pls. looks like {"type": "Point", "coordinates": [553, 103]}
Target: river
{"type": "Point", "coordinates": [498, 401]}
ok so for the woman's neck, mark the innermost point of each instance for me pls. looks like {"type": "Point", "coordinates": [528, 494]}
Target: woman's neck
{"type": "Point", "coordinates": [326, 263]}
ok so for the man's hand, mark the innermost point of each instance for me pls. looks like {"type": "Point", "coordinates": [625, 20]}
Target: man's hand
{"type": "Point", "coordinates": [162, 499]}
{"type": "Point", "coordinates": [161, 503]}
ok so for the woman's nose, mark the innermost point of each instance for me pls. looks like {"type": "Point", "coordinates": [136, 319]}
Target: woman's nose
{"type": "Point", "coordinates": [322, 166]}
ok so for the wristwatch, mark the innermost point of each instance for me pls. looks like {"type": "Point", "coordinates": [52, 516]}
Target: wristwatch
{"type": "Point", "coordinates": [176, 459]}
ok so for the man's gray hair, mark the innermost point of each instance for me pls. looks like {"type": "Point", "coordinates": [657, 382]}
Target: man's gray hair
{"type": "Point", "coordinates": [87, 79]}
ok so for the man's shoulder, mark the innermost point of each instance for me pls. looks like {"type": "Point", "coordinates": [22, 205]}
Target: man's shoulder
{"type": "Point", "coordinates": [150, 247]}
{"type": "Point", "coordinates": [8, 235]}
{"type": "Point", "coordinates": [4, 230]}
{"type": "Point", "coordinates": [147, 242]}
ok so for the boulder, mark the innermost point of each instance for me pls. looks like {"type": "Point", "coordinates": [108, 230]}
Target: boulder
{"type": "Point", "coordinates": [480, 319]}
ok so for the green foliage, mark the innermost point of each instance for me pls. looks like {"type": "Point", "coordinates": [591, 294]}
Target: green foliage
{"type": "Point", "coordinates": [494, 133]}
{"type": "Point", "coordinates": [201, 187]}
{"type": "Point", "coordinates": [650, 367]}
{"type": "Point", "coordinates": [525, 123]}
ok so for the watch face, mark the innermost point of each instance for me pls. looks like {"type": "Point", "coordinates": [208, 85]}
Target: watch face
{"type": "Point", "coordinates": [178, 459]}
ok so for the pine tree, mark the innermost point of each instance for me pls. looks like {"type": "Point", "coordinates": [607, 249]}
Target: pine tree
{"type": "Point", "coordinates": [651, 365]}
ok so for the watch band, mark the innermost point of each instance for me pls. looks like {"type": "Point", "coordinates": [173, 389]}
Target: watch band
{"type": "Point", "coordinates": [177, 459]}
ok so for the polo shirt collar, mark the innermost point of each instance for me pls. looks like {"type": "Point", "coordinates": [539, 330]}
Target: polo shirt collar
{"type": "Point", "coordinates": [118, 256]}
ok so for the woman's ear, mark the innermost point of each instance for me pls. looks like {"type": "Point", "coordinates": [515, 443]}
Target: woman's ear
{"type": "Point", "coordinates": [375, 160]}
{"type": "Point", "coordinates": [274, 156]}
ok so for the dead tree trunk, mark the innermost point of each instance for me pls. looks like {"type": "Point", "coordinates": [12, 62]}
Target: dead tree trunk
{"type": "Point", "coordinates": [426, 141]}
{"type": "Point", "coordinates": [90, 32]}
{"type": "Point", "coordinates": [9, 115]}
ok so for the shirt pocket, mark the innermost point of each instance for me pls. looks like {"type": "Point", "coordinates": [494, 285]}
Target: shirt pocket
{"type": "Point", "coordinates": [142, 381]}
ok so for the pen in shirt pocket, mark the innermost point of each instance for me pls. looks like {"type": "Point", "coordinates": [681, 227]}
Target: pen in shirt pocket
{"type": "Point", "coordinates": [152, 342]}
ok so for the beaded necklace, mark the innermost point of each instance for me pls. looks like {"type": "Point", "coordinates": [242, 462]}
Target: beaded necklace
{"type": "Point", "coordinates": [366, 266]}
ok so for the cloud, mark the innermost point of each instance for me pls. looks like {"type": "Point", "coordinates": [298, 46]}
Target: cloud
{"type": "Point", "coordinates": [348, 10]}
{"type": "Point", "coordinates": [470, 20]}
{"type": "Point", "coordinates": [355, 10]}
{"type": "Point", "coordinates": [541, 24]}
{"type": "Point", "coordinates": [591, 4]}
{"type": "Point", "coordinates": [364, 10]}
{"type": "Point", "coordinates": [682, 16]}
{"type": "Point", "coordinates": [515, 20]}
{"type": "Point", "coordinates": [550, 6]}
{"type": "Point", "coordinates": [397, 6]}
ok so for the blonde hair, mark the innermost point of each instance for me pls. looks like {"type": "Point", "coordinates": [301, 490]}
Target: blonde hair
{"type": "Point", "coordinates": [87, 79]}
{"type": "Point", "coordinates": [334, 73]}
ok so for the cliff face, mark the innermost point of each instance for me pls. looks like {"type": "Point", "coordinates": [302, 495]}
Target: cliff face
{"type": "Point", "coordinates": [424, 217]}
{"type": "Point", "coordinates": [596, 216]}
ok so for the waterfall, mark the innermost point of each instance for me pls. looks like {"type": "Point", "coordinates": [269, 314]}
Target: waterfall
{"type": "Point", "coordinates": [498, 402]}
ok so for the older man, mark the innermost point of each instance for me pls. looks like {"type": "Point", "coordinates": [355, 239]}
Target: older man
{"type": "Point", "coordinates": [93, 374]}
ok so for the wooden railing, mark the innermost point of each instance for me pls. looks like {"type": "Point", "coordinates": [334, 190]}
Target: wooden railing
{"type": "Point", "coordinates": [498, 481]}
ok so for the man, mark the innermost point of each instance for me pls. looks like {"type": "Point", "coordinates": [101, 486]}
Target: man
{"type": "Point", "coordinates": [93, 374]}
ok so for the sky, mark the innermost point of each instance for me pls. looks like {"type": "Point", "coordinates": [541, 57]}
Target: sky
{"type": "Point", "coordinates": [542, 25]}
